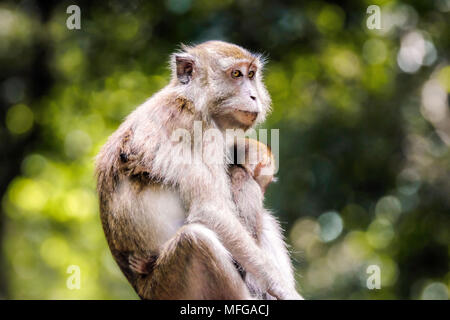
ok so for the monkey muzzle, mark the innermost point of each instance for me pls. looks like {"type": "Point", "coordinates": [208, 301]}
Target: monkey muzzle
{"type": "Point", "coordinates": [236, 118]}
{"type": "Point", "coordinates": [247, 118]}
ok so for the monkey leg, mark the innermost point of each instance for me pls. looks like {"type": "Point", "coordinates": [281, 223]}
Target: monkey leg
{"type": "Point", "coordinates": [193, 265]}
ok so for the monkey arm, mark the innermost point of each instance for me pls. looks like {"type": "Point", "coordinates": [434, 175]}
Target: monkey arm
{"type": "Point", "coordinates": [271, 241]}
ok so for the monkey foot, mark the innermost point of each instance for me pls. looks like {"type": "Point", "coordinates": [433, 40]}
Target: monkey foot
{"type": "Point", "coordinates": [142, 265]}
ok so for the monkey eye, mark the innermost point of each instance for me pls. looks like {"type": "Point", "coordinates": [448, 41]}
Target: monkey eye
{"type": "Point", "coordinates": [236, 74]}
{"type": "Point", "coordinates": [251, 74]}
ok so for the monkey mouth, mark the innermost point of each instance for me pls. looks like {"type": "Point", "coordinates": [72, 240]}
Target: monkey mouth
{"type": "Point", "coordinates": [245, 117]}
{"type": "Point", "coordinates": [236, 119]}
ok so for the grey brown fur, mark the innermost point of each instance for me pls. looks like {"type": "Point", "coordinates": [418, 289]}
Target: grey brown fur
{"type": "Point", "coordinates": [154, 204]}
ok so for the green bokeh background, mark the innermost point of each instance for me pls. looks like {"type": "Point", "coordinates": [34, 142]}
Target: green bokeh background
{"type": "Point", "coordinates": [364, 135]}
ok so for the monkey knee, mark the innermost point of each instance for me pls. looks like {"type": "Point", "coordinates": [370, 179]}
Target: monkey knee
{"type": "Point", "coordinates": [202, 240]}
{"type": "Point", "coordinates": [213, 263]}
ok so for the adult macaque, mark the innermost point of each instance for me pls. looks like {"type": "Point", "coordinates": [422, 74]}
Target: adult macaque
{"type": "Point", "coordinates": [181, 216]}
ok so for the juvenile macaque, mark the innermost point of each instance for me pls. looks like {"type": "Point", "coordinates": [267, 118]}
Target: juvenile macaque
{"type": "Point", "coordinates": [172, 226]}
{"type": "Point", "coordinates": [251, 172]}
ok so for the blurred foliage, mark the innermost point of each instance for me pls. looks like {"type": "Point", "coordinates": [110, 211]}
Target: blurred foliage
{"type": "Point", "coordinates": [364, 135]}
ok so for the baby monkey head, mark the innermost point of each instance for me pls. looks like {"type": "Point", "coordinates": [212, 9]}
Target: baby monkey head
{"type": "Point", "coordinates": [256, 159]}
{"type": "Point", "coordinates": [224, 81]}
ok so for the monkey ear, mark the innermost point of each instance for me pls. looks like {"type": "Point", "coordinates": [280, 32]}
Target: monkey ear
{"type": "Point", "coordinates": [184, 68]}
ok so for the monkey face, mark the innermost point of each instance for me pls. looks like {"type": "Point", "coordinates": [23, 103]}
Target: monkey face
{"type": "Point", "coordinates": [244, 101]}
{"type": "Point", "coordinates": [224, 81]}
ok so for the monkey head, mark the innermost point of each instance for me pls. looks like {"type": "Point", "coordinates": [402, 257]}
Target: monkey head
{"type": "Point", "coordinates": [224, 82]}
